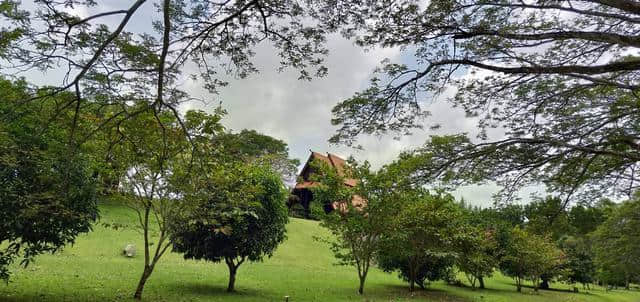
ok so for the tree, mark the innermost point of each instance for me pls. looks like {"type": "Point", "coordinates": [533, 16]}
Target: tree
{"type": "Point", "coordinates": [585, 218]}
{"type": "Point", "coordinates": [560, 79]}
{"type": "Point", "coordinates": [47, 191]}
{"type": "Point", "coordinates": [617, 241]}
{"type": "Point", "coordinates": [147, 64]}
{"type": "Point", "coordinates": [360, 214]}
{"type": "Point", "coordinates": [156, 160]}
{"type": "Point", "coordinates": [149, 157]}
{"type": "Point", "coordinates": [529, 256]}
{"type": "Point", "coordinates": [239, 215]}
{"type": "Point", "coordinates": [547, 216]}
{"type": "Point", "coordinates": [253, 146]}
{"type": "Point", "coordinates": [422, 232]}
{"type": "Point", "coordinates": [580, 265]}
{"type": "Point", "coordinates": [477, 254]}
{"type": "Point", "coordinates": [431, 267]}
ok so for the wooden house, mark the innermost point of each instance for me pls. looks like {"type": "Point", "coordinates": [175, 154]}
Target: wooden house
{"type": "Point", "coordinates": [302, 194]}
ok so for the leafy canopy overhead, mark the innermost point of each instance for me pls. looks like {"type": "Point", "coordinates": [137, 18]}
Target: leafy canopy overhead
{"type": "Point", "coordinates": [559, 78]}
{"type": "Point", "coordinates": [103, 59]}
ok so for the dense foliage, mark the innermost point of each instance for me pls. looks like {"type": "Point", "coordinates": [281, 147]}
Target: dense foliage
{"type": "Point", "coordinates": [420, 243]}
{"type": "Point", "coordinates": [47, 189]}
{"type": "Point", "coordinates": [238, 215]}
{"type": "Point", "coordinates": [530, 256]}
{"type": "Point", "coordinates": [617, 244]}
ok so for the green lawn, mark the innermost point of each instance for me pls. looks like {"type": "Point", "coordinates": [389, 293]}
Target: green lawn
{"type": "Point", "coordinates": [94, 270]}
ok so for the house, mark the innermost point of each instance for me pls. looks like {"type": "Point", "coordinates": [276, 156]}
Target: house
{"type": "Point", "coordinates": [302, 194]}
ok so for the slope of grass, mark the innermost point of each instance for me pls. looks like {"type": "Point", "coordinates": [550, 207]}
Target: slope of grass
{"type": "Point", "coordinates": [94, 270]}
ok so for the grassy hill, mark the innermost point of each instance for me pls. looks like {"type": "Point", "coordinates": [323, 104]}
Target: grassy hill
{"type": "Point", "coordinates": [94, 270]}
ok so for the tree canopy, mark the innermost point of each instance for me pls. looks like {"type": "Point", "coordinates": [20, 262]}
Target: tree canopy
{"type": "Point", "coordinates": [240, 215]}
{"type": "Point", "coordinates": [47, 187]}
{"type": "Point", "coordinates": [556, 80]}
{"type": "Point", "coordinates": [617, 242]}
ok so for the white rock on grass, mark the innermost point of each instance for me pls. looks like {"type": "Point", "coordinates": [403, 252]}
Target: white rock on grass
{"type": "Point", "coordinates": [129, 250]}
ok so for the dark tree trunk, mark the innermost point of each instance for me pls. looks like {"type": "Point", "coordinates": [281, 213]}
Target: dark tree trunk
{"type": "Point", "coordinates": [143, 279]}
{"type": "Point", "coordinates": [544, 284]}
{"type": "Point", "coordinates": [481, 282]}
{"type": "Point", "coordinates": [232, 275]}
{"type": "Point", "coordinates": [412, 276]}
{"type": "Point", "coordinates": [361, 288]}
{"type": "Point", "coordinates": [626, 282]}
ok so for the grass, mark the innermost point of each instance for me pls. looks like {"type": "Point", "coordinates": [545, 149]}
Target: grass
{"type": "Point", "coordinates": [94, 270]}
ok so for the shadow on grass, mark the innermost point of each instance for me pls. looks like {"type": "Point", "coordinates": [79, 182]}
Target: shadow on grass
{"type": "Point", "coordinates": [213, 290]}
{"type": "Point", "coordinates": [432, 294]}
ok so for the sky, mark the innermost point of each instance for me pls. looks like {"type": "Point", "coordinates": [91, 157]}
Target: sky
{"type": "Point", "coordinates": [299, 112]}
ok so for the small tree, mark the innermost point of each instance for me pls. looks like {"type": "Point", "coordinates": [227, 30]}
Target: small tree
{"type": "Point", "coordinates": [157, 160]}
{"type": "Point", "coordinates": [237, 214]}
{"type": "Point", "coordinates": [477, 254]}
{"type": "Point", "coordinates": [580, 265]}
{"type": "Point", "coordinates": [361, 214]}
{"type": "Point", "coordinates": [424, 228]}
{"type": "Point", "coordinates": [431, 268]}
{"type": "Point", "coordinates": [529, 256]}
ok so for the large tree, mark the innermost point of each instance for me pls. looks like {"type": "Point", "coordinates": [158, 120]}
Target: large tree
{"type": "Point", "coordinates": [559, 78]}
{"type": "Point", "coordinates": [47, 189]}
{"type": "Point", "coordinates": [102, 58]}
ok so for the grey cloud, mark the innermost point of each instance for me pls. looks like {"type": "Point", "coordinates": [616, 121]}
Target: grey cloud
{"type": "Point", "coordinates": [299, 112]}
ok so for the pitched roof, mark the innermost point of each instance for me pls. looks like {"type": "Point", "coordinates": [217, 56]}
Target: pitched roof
{"type": "Point", "coordinates": [332, 160]}
{"type": "Point", "coordinates": [337, 163]}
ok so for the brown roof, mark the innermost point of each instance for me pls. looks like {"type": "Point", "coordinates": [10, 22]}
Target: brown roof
{"type": "Point", "coordinates": [339, 164]}
{"type": "Point", "coordinates": [332, 160]}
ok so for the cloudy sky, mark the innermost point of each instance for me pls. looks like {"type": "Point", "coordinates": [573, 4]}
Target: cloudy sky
{"type": "Point", "coordinates": [299, 112]}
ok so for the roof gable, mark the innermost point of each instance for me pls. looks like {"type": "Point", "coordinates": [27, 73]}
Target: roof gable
{"type": "Point", "coordinates": [332, 160]}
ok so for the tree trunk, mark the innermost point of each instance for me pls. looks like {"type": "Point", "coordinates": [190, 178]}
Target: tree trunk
{"type": "Point", "coordinates": [518, 285]}
{"type": "Point", "coordinates": [544, 284]}
{"type": "Point", "coordinates": [143, 279]}
{"type": "Point", "coordinates": [361, 288]}
{"type": "Point", "coordinates": [412, 277]}
{"type": "Point", "coordinates": [481, 282]}
{"type": "Point", "coordinates": [363, 270]}
{"type": "Point", "coordinates": [232, 276]}
{"type": "Point", "coordinates": [626, 282]}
